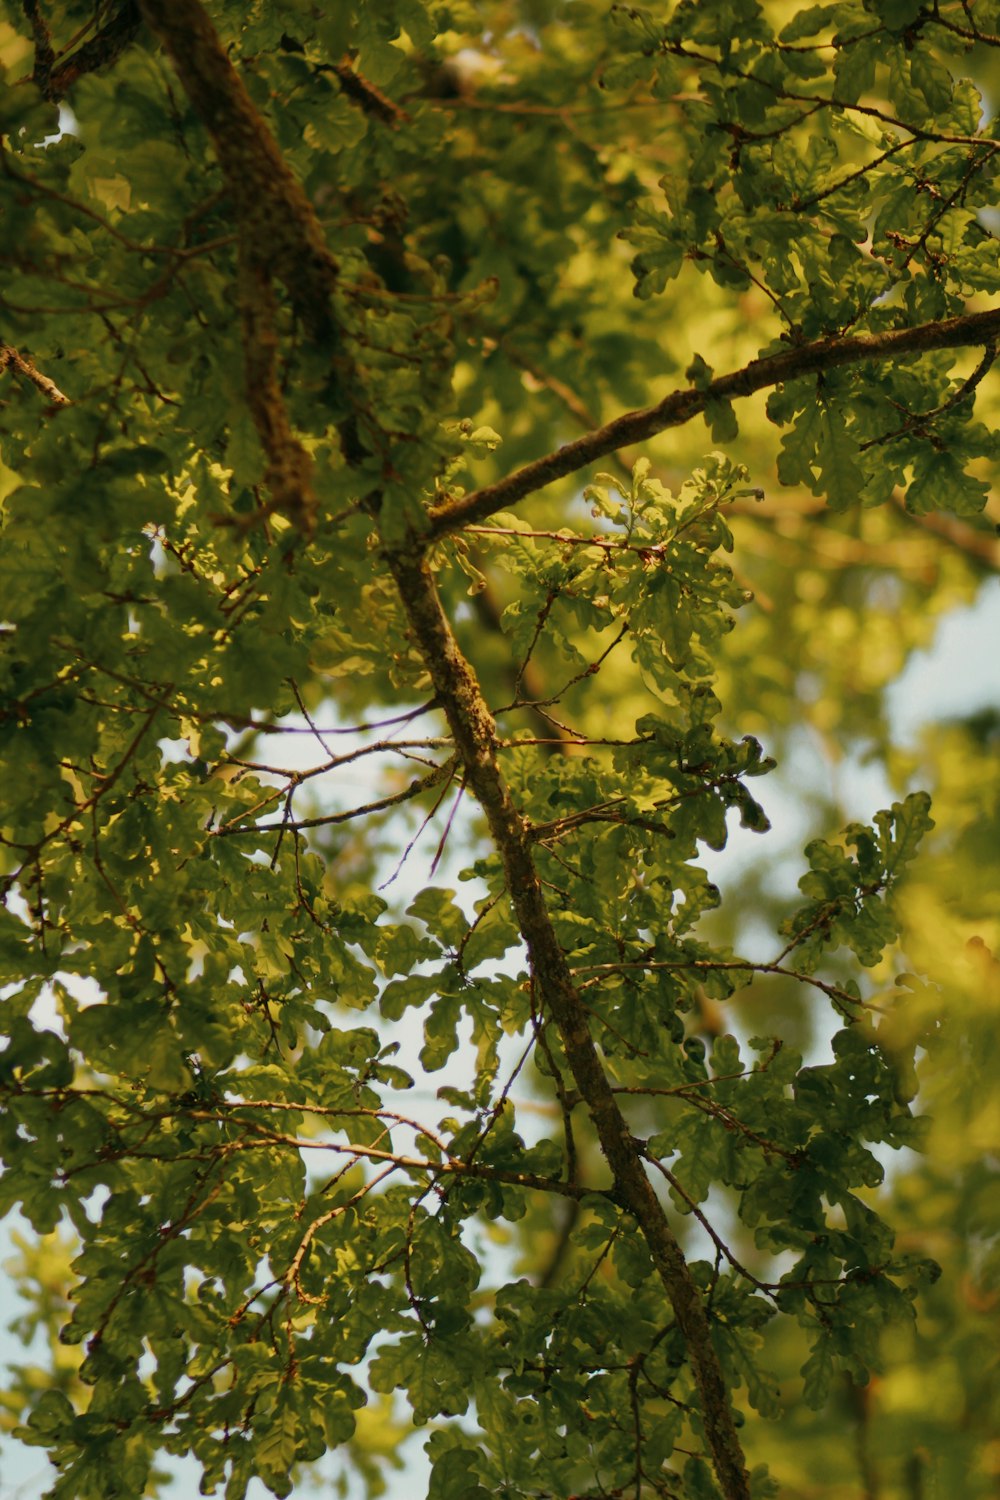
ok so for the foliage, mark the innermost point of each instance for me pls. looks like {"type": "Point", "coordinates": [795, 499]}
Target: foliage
{"type": "Point", "coordinates": [331, 575]}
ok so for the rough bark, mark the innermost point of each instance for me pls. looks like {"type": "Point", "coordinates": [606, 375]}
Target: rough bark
{"type": "Point", "coordinates": [974, 330]}
{"type": "Point", "coordinates": [277, 221]}
{"type": "Point", "coordinates": [474, 733]}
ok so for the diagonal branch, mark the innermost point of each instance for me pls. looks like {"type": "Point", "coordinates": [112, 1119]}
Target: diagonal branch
{"type": "Point", "coordinates": [277, 221]}
{"type": "Point", "coordinates": [13, 359]}
{"type": "Point", "coordinates": [971, 330]}
{"type": "Point", "coordinates": [54, 74]}
{"type": "Point", "coordinates": [280, 238]}
{"type": "Point", "coordinates": [475, 737]}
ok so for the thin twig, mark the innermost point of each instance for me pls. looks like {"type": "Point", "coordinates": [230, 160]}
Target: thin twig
{"type": "Point", "coordinates": [11, 359]}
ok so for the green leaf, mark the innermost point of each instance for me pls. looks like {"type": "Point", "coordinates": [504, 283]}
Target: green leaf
{"type": "Point", "coordinates": [436, 908]}
{"type": "Point", "coordinates": [817, 1375]}
{"type": "Point", "coordinates": [722, 422]}
{"type": "Point", "coordinates": [274, 1450]}
{"type": "Point", "coordinates": [941, 483]}
{"type": "Point", "coordinates": [932, 79]}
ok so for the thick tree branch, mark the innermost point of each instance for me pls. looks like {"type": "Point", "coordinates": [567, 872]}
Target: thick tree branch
{"type": "Point", "coordinates": [475, 739]}
{"type": "Point", "coordinates": [289, 468]}
{"type": "Point", "coordinates": [277, 221]}
{"type": "Point", "coordinates": [971, 330]}
{"type": "Point", "coordinates": [279, 238]}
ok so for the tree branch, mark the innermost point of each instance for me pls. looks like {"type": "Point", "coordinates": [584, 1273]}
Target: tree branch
{"type": "Point", "coordinates": [55, 75]}
{"type": "Point", "coordinates": [971, 330]}
{"type": "Point", "coordinates": [277, 221]}
{"type": "Point", "coordinates": [289, 468]}
{"type": "Point", "coordinates": [474, 732]}
{"type": "Point", "coordinates": [11, 359]}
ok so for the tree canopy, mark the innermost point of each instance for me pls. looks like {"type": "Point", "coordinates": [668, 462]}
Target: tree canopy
{"type": "Point", "coordinates": [451, 454]}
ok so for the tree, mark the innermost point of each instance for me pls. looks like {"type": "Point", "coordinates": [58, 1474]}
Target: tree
{"type": "Point", "coordinates": [317, 324]}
